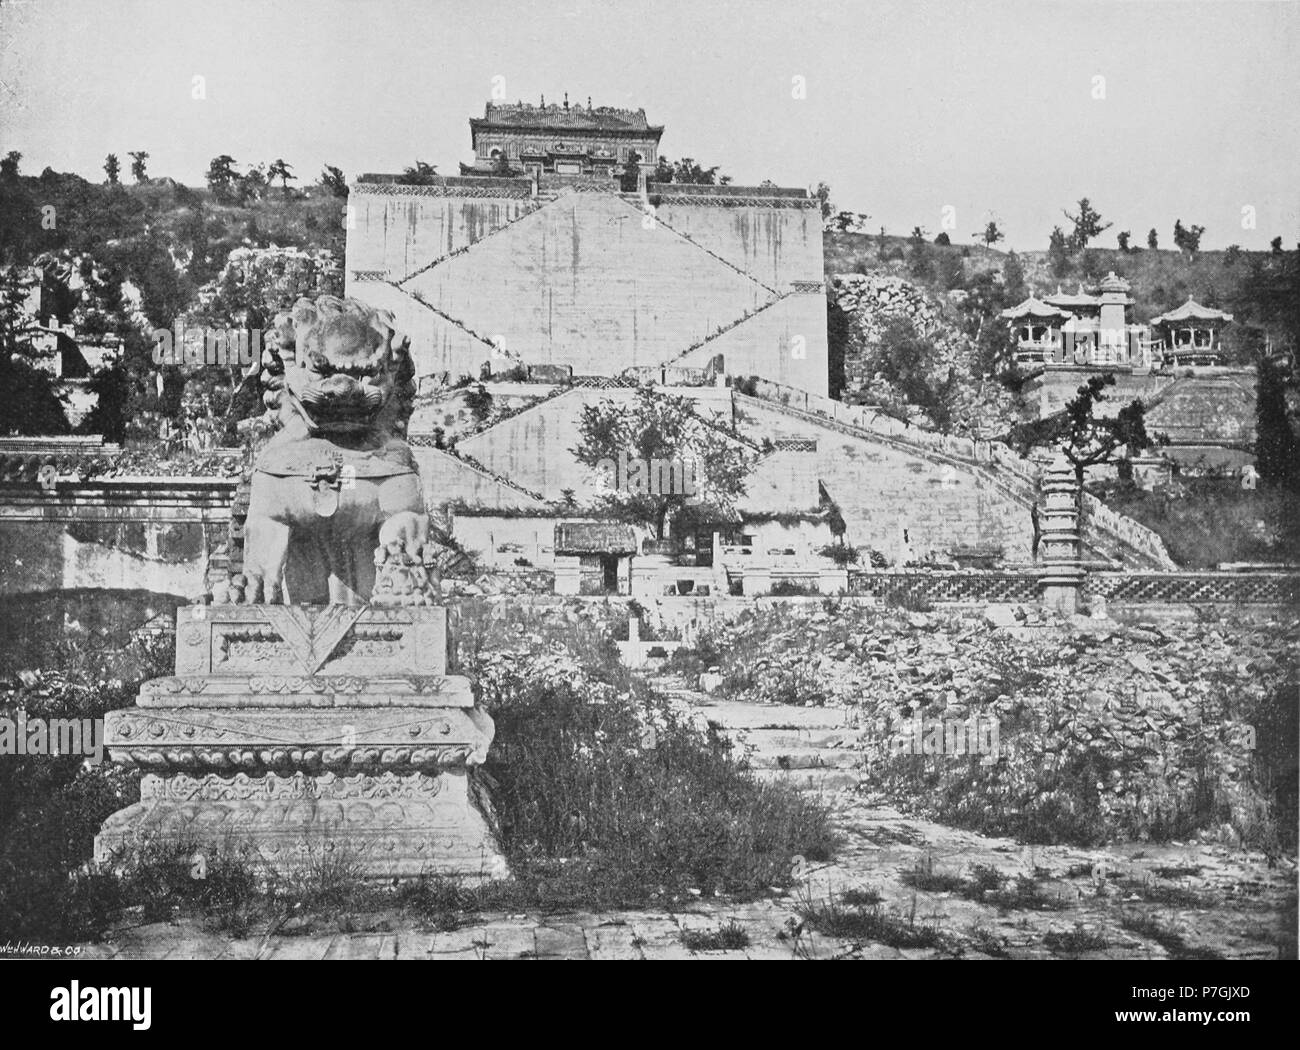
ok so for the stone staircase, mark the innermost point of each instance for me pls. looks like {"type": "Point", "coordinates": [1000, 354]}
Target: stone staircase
{"type": "Point", "coordinates": [1103, 541]}
{"type": "Point", "coordinates": [811, 748]}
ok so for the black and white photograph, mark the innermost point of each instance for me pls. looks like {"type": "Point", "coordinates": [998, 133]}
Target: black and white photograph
{"type": "Point", "coordinates": [693, 480]}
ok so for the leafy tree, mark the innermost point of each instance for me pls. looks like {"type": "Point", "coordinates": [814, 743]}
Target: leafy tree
{"type": "Point", "coordinates": [1276, 245]}
{"type": "Point", "coordinates": [1232, 255]}
{"type": "Point", "coordinates": [659, 426]}
{"type": "Point", "coordinates": [112, 168]}
{"type": "Point", "coordinates": [479, 402]}
{"type": "Point", "coordinates": [943, 240]}
{"type": "Point", "coordinates": [419, 174]}
{"type": "Point", "coordinates": [1085, 437]}
{"type": "Point", "coordinates": [951, 273]}
{"type": "Point", "coordinates": [823, 196]}
{"type": "Point", "coordinates": [1187, 239]}
{"type": "Point", "coordinates": [687, 171]}
{"type": "Point", "coordinates": [252, 185]}
{"type": "Point", "coordinates": [1277, 450]}
{"type": "Point", "coordinates": [222, 177]}
{"type": "Point", "coordinates": [1123, 238]}
{"type": "Point", "coordinates": [1087, 224]}
{"type": "Point", "coordinates": [1153, 241]}
{"type": "Point", "coordinates": [921, 262]}
{"type": "Point", "coordinates": [848, 220]}
{"type": "Point", "coordinates": [1058, 252]}
{"type": "Point", "coordinates": [1013, 278]}
{"type": "Point", "coordinates": [282, 171]}
{"type": "Point", "coordinates": [9, 166]}
{"type": "Point", "coordinates": [31, 404]}
{"type": "Point", "coordinates": [910, 363]}
{"type": "Point", "coordinates": [992, 234]}
{"type": "Point", "coordinates": [333, 180]}
{"type": "Point", "coordinates": [631, 173]}
{"type": "Point", "coordinates": [112, 389]}
{"type": "Point", "coordinates": [139, 159]}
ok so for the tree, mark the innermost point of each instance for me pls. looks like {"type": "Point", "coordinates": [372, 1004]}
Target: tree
{"type": "Point", "coordinates": [139, 158]}
{"type": "Point", "coordinates": [1083, 436]}
{"type": "Point", "coordinates": [222, 177]}
{"type": "Point", "coordinates": [1277, 450]}
{"type": "Point", "coordinates": [332, 179]}
{"type": "Point", "coordinates": [687, 171]}
{"type": "Point", "coordinates": [921, 263]}
{"type": "Point", "coordinates": [991, 234]}
{"type": "Point", "coordinates": [32, 404]}
{"type": "Point", "coordinates": [419, 174]}
{"type": "Point", "coordinates": [1013, 278]}
{"type": "Point", "coordinates": [112, 168]}
{"type": "Point", "coordinates": [1122, 238]}
{"type": "Point", "coordinates": [631, 173]}
{"type": "Point", "coordinates": [282, 171]}
{"type": "Point", "coordinates": [951, 273]}
{"type": "Point", "coordinates": [1058, 252]}
{"type": "Point", "coordinates": [1276, 245]}
{"type": "Point", "coordinates": [655, 426]}
{"type": "Point", "coordinates": [1087, 224]}
{"type": "Point", "coordinates": [1153, 241]}
{"type": "Point", "coordinates": [1187, 239]}
{"type": "Point", "coordinates": [479, 402]}
{"type": "Point", "coordinates": [252, 185]}
{"type": "Point", "coordinates": [9, 166]}
{"type": "Point", "coordinates": [848, 220]}
{"type": "Point", "coordinates": [823, 196]}
{"type": "Point", "coordinates": [943, 240]}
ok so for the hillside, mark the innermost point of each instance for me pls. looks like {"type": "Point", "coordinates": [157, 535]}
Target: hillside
{"type": "Point", "coordinates": [1238, 281]}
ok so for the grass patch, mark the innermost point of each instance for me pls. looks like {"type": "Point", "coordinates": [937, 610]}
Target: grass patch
{"type": "Point", "coordinates": [1161, 893]}
{"type": "Point", "coordinates": [923, 877]}
{"type": "Point", "coordinates": [984, 884]}
{"type": "Point", "coordinates": [847, 922]}
{"type": "Point", "coordinates": [1182, 871]}
{"type": "Point", "coordinates": [1074, 941]}
{"type": "Point", "coordinates": [1150, 927]}
{"type": "Point", "coordinates": [728, 937]}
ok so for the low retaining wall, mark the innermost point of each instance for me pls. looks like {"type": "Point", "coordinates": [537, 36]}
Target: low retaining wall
{"type": "Point", "coordinates": [1190, 588]}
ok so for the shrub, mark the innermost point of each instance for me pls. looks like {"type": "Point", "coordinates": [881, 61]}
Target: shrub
{"type": "Point", "coordinates": [841, 553]}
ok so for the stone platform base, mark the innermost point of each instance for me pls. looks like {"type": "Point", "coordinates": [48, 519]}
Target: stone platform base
{"type": "Point", "coordinates": [372, 826]}
{"type": "Point", "coordinates": [309, 735]}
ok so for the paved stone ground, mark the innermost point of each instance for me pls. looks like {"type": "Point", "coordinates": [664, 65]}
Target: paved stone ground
{"type": "Point", "coordinates": [1198, 897]}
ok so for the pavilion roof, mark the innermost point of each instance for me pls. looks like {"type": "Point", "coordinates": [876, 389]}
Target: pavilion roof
{"type": "Point", "coordinates": [1192, 311]}
{"type": "Point", "coordinates": [1032, 307]}
{"type": "Point", "coordinates": [594, 537]}
{"type": "Point", "coordinates": [1079, 298]}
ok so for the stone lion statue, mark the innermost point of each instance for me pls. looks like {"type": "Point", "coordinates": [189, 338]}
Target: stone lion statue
{"type": "Point", "coordinates": [338, 480]}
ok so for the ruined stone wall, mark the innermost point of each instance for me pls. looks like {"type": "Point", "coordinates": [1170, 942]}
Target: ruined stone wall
{"type": "Point", "coordinates": [171, 559]}
{"type": "Point", "coordinates": [590, 280]}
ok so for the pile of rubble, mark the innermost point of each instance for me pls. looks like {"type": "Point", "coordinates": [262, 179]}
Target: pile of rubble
{"type": "Point", "coordinates": [1124, 727]}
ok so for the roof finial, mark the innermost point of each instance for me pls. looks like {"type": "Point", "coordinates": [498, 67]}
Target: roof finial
{"type": "Point", "coordinates": [589, 102]}
{"type": "Point", "coordinates": [566, 100]}
{"type": "Point", "coordinates": [543, 100]}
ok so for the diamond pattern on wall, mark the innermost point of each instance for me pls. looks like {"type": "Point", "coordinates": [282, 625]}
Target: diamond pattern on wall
{"type": "Point", "coordinates": [587, 281]}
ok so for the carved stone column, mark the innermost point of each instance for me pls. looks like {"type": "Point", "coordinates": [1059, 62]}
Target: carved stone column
{"type": "Point", "coordinates": [1061, 575]}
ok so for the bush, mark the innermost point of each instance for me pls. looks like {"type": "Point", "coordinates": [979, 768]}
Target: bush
{"type": "Point", "coordinates": [793, 589]}
{"type": "Point", "coordinates": [841, 554]}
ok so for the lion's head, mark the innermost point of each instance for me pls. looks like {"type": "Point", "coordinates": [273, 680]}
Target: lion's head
{"type": "Point", "coordinates": [343, 363]}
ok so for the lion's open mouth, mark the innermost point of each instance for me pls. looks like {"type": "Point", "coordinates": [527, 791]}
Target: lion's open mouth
{"type": "Point", "coordinates": [342, 403]}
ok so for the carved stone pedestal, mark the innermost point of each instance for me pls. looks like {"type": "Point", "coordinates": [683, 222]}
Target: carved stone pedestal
{"type": "Point", "coordinates": [305, 731]}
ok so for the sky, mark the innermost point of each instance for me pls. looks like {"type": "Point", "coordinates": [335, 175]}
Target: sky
{"type": "Point", "coordinates": [911, 111]}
